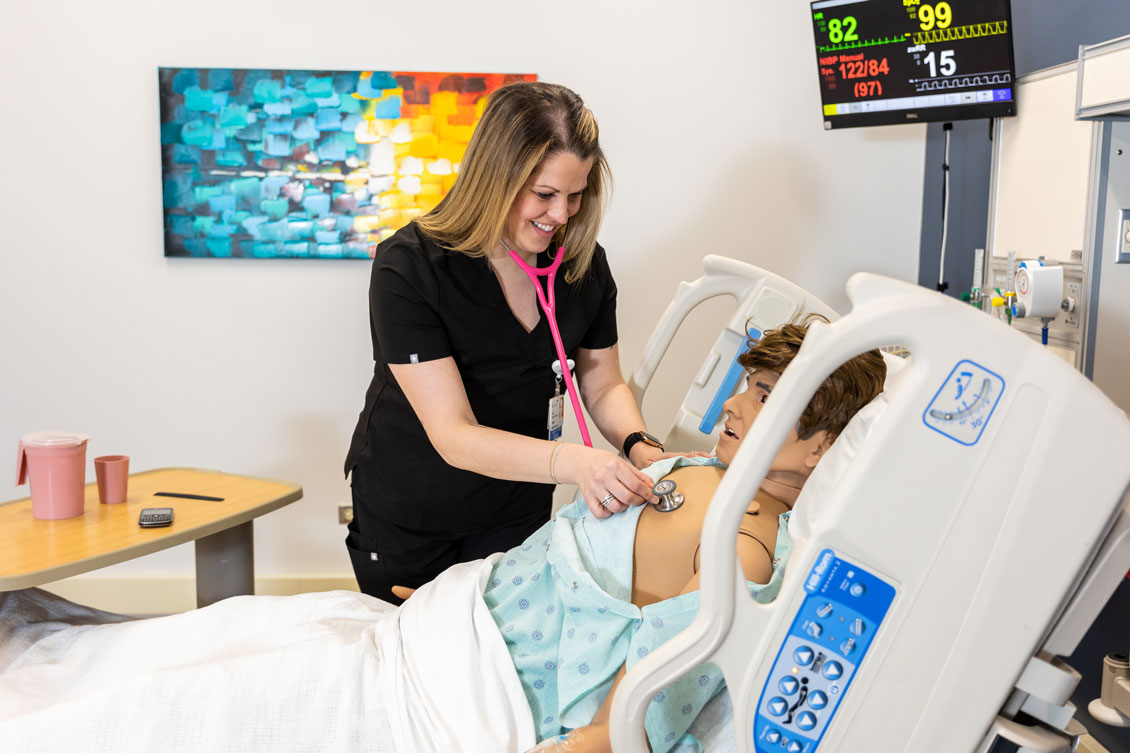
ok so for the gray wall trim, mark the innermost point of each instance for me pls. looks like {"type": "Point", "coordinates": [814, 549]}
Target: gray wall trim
{"type": "Point", "coordinates": [1045, 33]}
{"type": "Point", "coordinates": [1093, 243]}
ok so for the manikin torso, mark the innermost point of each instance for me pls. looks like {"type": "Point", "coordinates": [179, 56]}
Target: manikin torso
{"type": "Point", "coordinates": [666, 546]}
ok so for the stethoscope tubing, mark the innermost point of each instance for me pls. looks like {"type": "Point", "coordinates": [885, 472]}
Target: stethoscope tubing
{"type": "Point", "coordinates": [549, 307]}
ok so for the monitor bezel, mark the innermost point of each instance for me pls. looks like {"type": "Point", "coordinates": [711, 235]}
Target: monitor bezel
{"type": "Point", "coordinates": [943, 114]}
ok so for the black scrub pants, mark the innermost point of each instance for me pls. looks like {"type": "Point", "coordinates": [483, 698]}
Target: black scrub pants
{"type": "Point", "coordinates": [385, 554]}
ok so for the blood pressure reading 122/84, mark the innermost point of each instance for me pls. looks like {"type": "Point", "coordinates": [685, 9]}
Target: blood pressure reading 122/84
{"type": "Point", "coordinates": [898, 61]}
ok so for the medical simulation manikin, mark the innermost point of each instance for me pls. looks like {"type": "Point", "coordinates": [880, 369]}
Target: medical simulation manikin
{"type": "Point", "coordinates": [583, 599]}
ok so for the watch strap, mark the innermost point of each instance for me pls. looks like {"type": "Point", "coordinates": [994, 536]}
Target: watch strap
{"type": "Point", "coordinates": [636, 437]}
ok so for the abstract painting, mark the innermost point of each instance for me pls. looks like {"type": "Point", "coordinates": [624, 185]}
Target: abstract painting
{"type": "Point", "coordinates": [308, 164]}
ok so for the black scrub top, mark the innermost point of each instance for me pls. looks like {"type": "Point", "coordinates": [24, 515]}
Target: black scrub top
{"type": "Point", "coordinates": [425, 303]}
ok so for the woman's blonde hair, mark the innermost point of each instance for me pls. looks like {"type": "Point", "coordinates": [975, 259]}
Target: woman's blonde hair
{"type": "Point", "coordinates": [524, 124]}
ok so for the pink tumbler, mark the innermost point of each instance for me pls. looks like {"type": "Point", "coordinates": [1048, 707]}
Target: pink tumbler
{"type": "Point", "coordinates": [55, 461]}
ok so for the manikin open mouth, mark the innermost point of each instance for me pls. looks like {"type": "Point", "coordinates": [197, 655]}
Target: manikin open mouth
{"type": "Point", "coordinates": [729, 432]}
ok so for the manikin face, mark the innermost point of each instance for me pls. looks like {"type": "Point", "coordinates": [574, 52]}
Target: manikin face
{"type": "Point", "coordinates": [796, 458]}
{"type": "Point", "coordinates": [546, 202]}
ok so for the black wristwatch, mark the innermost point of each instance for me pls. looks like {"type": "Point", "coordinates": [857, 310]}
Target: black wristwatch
{"type": "Point", "coordinates": [639, 436]}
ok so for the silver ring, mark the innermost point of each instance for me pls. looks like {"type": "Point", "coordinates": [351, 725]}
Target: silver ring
{"type": "Point", "coordinates": [609, 498]}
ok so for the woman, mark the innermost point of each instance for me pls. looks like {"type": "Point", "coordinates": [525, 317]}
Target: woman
{"type": "Point", "coordinates": [451, 459]}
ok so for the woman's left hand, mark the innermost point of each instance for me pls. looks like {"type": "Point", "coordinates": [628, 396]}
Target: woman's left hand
{"type": "Point", "coordinates": [643, 455]}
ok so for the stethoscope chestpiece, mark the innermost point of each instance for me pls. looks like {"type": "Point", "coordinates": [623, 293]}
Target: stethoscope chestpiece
{"type": "Point", "coordinates": [669, 499]}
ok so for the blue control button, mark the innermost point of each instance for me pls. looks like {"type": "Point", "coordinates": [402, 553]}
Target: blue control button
{"type": "Point", "coordinates": [847, 646]}
{"type": "Point", "coordinates": [857, 627]}
{"type": "Point", "coordinates": [814, 629]}
{"type": "Point", "coordinates": [804, 656]}
{"type": "Point", "coordinates": [824, 610]}
{"type": "Point", "coordinates": [778, 706]}
{"type": "Point", "coordinates": [806, 720]}
{"type": "Point", "coordinates": [857, 589]}
{"type": "Point", "coordinates": [773, 736]}
{"type": "Point", "coordinates": [818, 699]}
{"type": "Point", "coordinates": [794, 747]}
{"type": "Point", "coordinates": [789, 685]}
{"type": "Point", "coordinates": [833, 670]}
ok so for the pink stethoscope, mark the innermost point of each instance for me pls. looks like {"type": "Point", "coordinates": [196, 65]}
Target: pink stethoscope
{"type": "Point", "coordinates": [549, 306]}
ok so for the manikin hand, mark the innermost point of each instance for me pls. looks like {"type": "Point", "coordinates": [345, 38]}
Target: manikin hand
{"type": "Point", "coordinates": [592, 738]}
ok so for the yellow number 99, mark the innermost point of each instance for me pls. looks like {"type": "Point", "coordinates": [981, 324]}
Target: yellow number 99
{"type": "Point", "coordinates": [929, 14]}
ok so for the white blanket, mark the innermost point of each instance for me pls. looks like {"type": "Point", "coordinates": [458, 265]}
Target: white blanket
{"type": "Point", "coordinates": [331, 671]}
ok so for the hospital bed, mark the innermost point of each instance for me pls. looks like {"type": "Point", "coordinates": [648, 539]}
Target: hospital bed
{"type": "Point", "coordinates": [959, 537]}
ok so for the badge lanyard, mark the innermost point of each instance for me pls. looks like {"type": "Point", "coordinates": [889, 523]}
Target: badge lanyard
{"type": "Point", "coordinates": [549, 306]}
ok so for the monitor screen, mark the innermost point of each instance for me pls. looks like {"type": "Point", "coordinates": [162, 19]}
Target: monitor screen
{"type": "Point", "coordinates": [910, 61]}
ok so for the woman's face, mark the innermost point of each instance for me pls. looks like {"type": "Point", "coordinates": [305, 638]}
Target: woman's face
{"type": "Point", "coordinates": [546, 202]}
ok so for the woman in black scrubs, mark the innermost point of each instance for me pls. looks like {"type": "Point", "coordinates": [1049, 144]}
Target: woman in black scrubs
{"type": "Point", "coordinates": [451, 459]}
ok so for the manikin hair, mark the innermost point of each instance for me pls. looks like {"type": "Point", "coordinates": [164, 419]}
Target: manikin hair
{"type": "Point", "coordinates": [843, 393]}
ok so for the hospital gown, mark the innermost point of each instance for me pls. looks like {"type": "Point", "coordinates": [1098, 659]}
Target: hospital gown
{"type": "Point", "coordinates": [562, 601]}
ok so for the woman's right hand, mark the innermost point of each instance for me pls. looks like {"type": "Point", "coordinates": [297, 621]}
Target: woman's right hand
{"type": "Point", "coordinates": [600, 473]}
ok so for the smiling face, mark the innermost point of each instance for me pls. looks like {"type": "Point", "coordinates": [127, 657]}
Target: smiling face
{"type": "Point", "coordinates": [547, 200]}
{"type": "Point", "coordinates": [796, 458]}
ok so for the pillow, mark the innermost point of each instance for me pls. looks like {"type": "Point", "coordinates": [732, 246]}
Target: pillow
{"type": "Point", "coordinates": [840, 455]}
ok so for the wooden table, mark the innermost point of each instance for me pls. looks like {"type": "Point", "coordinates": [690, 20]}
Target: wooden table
{"type": "Point", "coordinates": [34, 552]}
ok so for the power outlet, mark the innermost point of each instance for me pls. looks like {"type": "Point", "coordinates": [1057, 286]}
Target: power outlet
{"type": "Point", "coordinates": [1075, 294]}
{"type": "Point", "coordinates": [345, 514]}
{"type": "Point", "coordinates": [1123, 256]}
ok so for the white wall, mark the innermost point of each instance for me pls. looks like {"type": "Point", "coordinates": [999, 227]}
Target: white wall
{"type": "Point", "coordinates": [709, 113]}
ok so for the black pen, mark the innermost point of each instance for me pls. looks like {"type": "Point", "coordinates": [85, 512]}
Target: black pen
{"type": "Point", "coordinates": [187, 496]}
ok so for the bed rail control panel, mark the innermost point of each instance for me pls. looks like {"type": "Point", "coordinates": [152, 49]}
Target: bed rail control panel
{"type": "Point", "coordinates": [731, 378]}
{"type": "Point", "coordinates": [829, 637]}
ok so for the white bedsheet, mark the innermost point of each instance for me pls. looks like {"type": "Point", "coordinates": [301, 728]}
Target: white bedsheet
{"type": "Point", "coordinates": [328, 671]}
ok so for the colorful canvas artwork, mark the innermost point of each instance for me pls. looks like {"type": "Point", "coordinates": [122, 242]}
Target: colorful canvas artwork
{"type": "Point", "coordinates": [309, 164]}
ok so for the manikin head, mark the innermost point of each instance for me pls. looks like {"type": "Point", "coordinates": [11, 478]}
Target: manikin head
{"type": "Point", "coordinates": [841, 396]}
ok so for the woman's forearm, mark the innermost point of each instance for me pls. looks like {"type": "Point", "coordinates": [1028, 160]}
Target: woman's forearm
{"type": "Point", "coordinates": [616, 414]}
{"type": "Point", "coordinates": [435, 391]}
{"type": "Point", "coordinates": [501, 454]}
{"type": "Point", "coordinates": [498, 454]}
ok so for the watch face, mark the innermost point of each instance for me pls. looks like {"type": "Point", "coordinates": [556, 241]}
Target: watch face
{"type": "Point", "coordinates": [644, 436]}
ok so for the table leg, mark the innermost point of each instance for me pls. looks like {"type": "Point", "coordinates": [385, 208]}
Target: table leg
{"type": "Point", "coordinates": [225, 565]}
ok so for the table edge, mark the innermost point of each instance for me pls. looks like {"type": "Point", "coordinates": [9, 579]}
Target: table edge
{"type": "Point", "coordinates": [78, 567]}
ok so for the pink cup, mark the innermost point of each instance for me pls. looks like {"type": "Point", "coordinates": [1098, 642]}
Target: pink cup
{"type": "Point", "coordinates": [112, 472]}
{"type": "Point", "coordinates": [55, 463]}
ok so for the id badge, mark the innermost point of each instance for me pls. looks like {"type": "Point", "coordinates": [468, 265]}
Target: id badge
{"type": "Point", "coordinates": [556, 417]}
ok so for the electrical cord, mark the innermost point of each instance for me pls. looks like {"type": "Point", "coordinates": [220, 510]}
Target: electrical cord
{"type": "Point", "coordinates": [942, 284]}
